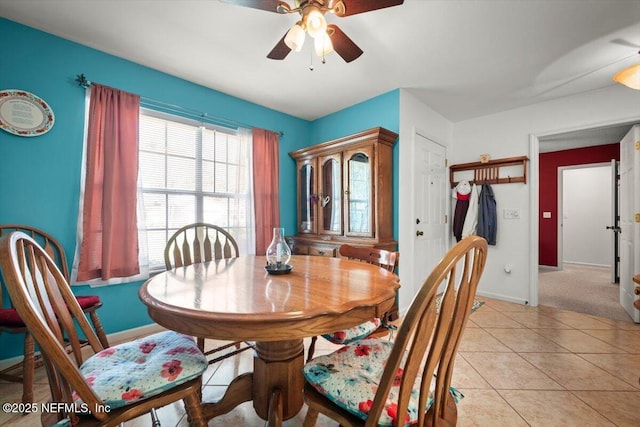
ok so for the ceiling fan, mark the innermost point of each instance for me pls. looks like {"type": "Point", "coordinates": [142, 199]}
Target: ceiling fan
{"type": "Point", "coordinates": [327, 37]}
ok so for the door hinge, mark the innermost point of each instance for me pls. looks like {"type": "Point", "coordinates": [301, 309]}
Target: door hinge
{"type": "Point", "coordinates": [637, 217]}
{"type": "Point", "coordinates": [446, 219]}
{"type": "Point", "coordinates": [446, 162]}
{"type": "Point", "coordinates": [637, 145]}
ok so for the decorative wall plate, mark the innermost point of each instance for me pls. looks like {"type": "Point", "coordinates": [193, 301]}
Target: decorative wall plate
{"type": "Point", "coordinates": [25, 114]}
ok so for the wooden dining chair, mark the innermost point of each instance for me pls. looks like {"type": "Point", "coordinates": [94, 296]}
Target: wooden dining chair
{"type": "Point", "coordinates": [113, 385]}
{"type": "Point", "coordinates": [375, 382]}
{"type": "Point", "coordinates": [203, 242]}
{"type": "Point", "coordinates": [11, 322]}
{"type": "Point", "coordinates": [374, 327]}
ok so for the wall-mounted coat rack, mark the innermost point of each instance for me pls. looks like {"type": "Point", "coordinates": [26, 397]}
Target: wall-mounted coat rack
{"type": "Point", "coordinates": [514, 169]}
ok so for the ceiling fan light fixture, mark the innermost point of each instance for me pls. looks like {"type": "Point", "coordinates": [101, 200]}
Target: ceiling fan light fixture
{"type": "Point", "coordinates": [315, 22]}
{"type": "Point", "coordinates": [295, 37]}
{"type": "Point", "coordinates": [323, 45]}
{"type": "Point", "coordinates": [629, 77]}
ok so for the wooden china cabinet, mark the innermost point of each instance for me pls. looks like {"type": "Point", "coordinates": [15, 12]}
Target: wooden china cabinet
{"type": "Point", "coordinates": [345, 194]}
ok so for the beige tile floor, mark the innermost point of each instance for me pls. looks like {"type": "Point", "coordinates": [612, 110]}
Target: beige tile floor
{"type": "Point", "coordinates": [517, 366]}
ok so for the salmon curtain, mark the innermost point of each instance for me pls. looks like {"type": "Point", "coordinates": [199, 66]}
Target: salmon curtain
{"type": "Point", "coordinates": [109, 246]}
{"type": "Point", "coordinates": [266, 168]}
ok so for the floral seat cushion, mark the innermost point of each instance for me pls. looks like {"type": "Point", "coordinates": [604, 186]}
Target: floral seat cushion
{"type": "Point", "coordinates": [139, 369]}
{"type": "Point", "coordinates": [355, 333]}
{"type": "Point", "coordinates": [349, 377]}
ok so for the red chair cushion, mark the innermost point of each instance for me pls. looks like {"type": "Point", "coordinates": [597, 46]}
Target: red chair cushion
{"type": "Point", "coordinates": [87, 301]}
{"type": "Point", "coordinates": [10, 317]}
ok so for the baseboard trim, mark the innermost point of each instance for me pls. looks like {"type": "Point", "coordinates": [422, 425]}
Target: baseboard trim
{"type": "Point", "coordinates": [503, 298]}
{"type": "Point", "coordinates": [5, 363]}
{"type": "Point", "coordinates": [116, 337]}
{"type": "Point", "coordinates": [586, 264]}
{"type": "Point", "coordinates": [133, 333]}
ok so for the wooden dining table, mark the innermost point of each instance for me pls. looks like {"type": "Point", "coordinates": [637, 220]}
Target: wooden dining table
{"type": "Point", "coordinates": [237, 300]}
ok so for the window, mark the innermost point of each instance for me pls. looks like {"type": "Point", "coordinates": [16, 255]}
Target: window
{"type": "Point", "coordinates": [192, 172]}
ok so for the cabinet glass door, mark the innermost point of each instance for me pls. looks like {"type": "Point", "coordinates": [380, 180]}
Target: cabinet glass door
{"type": "Point", "coordinates": [330, 197]}
{"type": "Point", "coordinates": [307, 198]}
{"type": "Point", "coordinates": [359, 194]}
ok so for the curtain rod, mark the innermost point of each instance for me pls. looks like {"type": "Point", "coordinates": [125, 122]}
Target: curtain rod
{"type": "Point", "coordinates": [83, 82]}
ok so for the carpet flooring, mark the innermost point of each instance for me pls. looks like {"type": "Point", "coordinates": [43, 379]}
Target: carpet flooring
{"type": "Point", "coordinates": [583, 289]}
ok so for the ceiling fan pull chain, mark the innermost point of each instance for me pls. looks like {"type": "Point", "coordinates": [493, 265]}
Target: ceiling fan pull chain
{"type": "Point", "coordinates": [311, 60]}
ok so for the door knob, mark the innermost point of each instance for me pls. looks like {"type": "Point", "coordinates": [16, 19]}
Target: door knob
{"type": "Point", "coordinates": [419, 233]}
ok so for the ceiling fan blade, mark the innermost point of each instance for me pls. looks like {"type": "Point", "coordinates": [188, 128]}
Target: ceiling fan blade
{"type": "Point", "coordinates": [268, 5]}
{"type": "Point", "coordinates": [342, 44]}
{"type": "Point", "coordinates": [353, 7]}
{"type": "Point", "coordinates": [280, 50]}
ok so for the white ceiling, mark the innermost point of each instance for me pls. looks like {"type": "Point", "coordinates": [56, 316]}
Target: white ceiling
{"type": "Point", "coordinates": [584, 138]}
{"type": "Point", "coordinates": [463, 58]}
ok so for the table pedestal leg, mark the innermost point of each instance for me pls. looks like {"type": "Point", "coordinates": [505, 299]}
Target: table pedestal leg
{"type": "Point", "coordinates": [239, 391]}
{"type": "Point", "coordinates": [277, 374]}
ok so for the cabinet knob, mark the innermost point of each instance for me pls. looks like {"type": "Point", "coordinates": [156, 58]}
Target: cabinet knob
{"type": "Point", "coordinates": [419, 233]}
{"type": "Point", "coordinates": [321, 252]}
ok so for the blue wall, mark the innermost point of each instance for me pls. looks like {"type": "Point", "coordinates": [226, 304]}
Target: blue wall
{"type": "Point", "coordinates": [382, 110]}
{"type": "Point", "coordinates": [40, 176]}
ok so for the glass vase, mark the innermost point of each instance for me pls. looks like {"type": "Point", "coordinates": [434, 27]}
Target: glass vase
{"type": "Point", "coordinates": [278, 252]}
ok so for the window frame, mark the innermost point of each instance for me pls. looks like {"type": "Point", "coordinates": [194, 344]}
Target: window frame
{"type": "Point", "coordinates": [199, 193]}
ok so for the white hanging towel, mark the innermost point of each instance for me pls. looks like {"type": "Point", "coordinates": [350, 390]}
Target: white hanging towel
{"type": "Point", "coordinates": [471, 219]}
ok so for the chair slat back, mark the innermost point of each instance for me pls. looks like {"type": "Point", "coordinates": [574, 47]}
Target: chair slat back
{"type": "Point", "coordinates": [48, 242]}
{"type": "Point", "coordinates": [193, 244]}
{"type": "Point", "coordinates": [380, 257]}
{"type": "Point", "coordinates": [427, 340]}
{"type": "Point", "coordinates": [43, 298]}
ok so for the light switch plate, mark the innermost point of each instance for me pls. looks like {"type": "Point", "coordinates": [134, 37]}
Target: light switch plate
{"type": "Point", "coordinates": [511, 214]}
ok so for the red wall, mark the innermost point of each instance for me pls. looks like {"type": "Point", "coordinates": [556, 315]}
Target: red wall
{"type": "Point", "coordinates": [549, 164]}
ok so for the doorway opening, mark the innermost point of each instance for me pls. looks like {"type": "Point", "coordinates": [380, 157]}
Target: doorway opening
{"type": "Point", "coordinates": [587, 208]}
{"type": "Point", "coordinates": [585, 279]}
{"type": "Point", "coordinates": [576, 263]}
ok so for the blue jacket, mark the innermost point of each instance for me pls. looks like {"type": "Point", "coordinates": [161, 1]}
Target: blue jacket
{"type": "Point", "coordinates": [487, 215]}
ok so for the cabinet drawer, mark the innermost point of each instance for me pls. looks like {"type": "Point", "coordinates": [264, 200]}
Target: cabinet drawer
{"type": "Point", "coordinates": [322, 251]}
{"type": "Point", "coordinates": [299, 249]}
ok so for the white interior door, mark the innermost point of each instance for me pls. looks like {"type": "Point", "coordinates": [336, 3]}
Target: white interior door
{"type": "Point", "coordinates": [431, 192]}
{"type": "Point", "coordinates": [629, 218]}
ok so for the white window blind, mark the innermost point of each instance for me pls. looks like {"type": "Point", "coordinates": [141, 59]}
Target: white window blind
{"type": "Point", "coordinates": [190, 172]}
